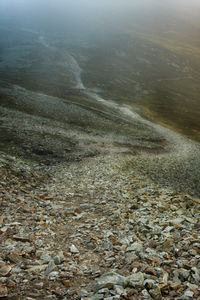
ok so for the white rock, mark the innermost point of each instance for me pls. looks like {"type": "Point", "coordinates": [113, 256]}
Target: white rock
{"type": "Point", "coordinates": [188, 293]}
{"type": "Point", "coordinates": [73, 249]}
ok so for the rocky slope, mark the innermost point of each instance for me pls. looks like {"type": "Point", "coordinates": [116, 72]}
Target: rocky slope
{"type": "Point", "coordinates": [94, 203]}
{"type": "Point", "coordinates": [95, 230]}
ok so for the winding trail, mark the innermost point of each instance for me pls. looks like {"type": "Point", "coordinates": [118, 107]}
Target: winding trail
{"type": "Point", "coordinates": [180, 144]}
{"type": "Point", "coordinates": [180, 165]}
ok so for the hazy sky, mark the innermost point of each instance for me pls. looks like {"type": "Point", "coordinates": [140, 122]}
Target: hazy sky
{"type": "Point", "coordinates": [55, 15]}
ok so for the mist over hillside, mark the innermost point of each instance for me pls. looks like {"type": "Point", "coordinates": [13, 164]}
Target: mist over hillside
{"type": "Point", "coordinates": [70, 63]}
{"type": "Point", "coordinates": [99, 149]}
{"type": "Point", "coordinates": [141, 53]}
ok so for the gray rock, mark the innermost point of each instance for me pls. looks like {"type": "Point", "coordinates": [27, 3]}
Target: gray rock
{"type": "Point", "coordinates": [83, 293]}
{"type": "Point", "coordinates": [106, 245]}
{"type": "Point", "coordinates": [188, 294]}
{"type": "Point", "coordinates": [37, 269]}
{"type": "Point", "coordinates": [112, 297]}
{"type": "Point", "coordinates": [155, 293]}
{"type": "Point", "coordinates": [107, 233]}
{"type": "Point", "coordinates": [108, 280]}
{"type": "Point", "coordinates": [149, 283]}
{"type": "Point", "coordinates": [196, 274]}
{"type": "Point", "coordinates": [39, 285]}
{"type": "Point", "coordinates": [45, 257]}
{"type": "Point", "coordinates": [145, 295]}
{"type": "Point", "coordinates": [185, 273]}
{"type": "Point", "coordinates": [126, 240]}
{"type": "Point", "coordinates": [51, 267]}
{"type": "Point", "coordinates": [103, 291]}
{"type": "Point", "coordinates": [134, 280]}
{"type": "Point", "coordinates": [119, 290]}
{"type": "Point", "coordinates": [14, 258]}
{"type": "Point", "coordinates": [38, 253]}
{"type": "Point", "coordinates": [97, 297]}
{"type": "Point", "coordinates": [130, 257]}
{"type": "Point", "coordinates": [135, 247]}
{"type": "Point", "coordinates": [57, 260]}
{"type": "Point", "coordinates": [16, 270]}
{"type": "Point", "coordinates": [177, 221]}
{"type": "Point", "coordinates": [5, 270]}
{"type": "Point", "coordinates": [53, 274]}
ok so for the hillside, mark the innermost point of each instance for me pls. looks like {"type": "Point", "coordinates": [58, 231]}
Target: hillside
{"type": "Point", "coordinates": [99, 150]}
{"type": "Point", "coordinates": [92, 199]}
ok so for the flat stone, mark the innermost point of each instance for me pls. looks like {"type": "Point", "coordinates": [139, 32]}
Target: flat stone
{"type": "Point", "coordinates": [53, 274]}
{"type": "Point", "coordinates": [37, 269]}
{"type": "Point", "coordinates": [112, 297]}
{"type": "Point", "coordinates": [177, 221]}
{"type": "Point", "coordinates": [97, 297]}
{"type": "Point", "coordinates": [188, 293]}
{"type": "Point", "coordinates": [108, 280]}
{"type": "Point", "coordinates": [5, 270]}
{"type": "Point", "coordinates": [103, 291]}
{"type": "Point", "coordinates": [14, 258]}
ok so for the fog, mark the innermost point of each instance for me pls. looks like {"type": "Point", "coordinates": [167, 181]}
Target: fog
{"type": "Point", "coordinates": [89, 15]}
{"type": "Point", "coordinates": [137, 52]}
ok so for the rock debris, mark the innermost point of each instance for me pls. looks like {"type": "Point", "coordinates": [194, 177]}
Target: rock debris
{"type": "Point", "coordinates": [92, 230]}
